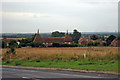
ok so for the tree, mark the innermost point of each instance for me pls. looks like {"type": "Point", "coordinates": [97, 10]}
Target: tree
{"type": "Point", "coordinates": [90, 43]}
{"type": "Point", "coordinates": [118, 37]}
{"type": "Point", "coordinates": [96, 43]}
{"type": "Point", "coordinates": [110, 39]}
{"type": "Point", "coordinates": [75, 36]}
{"type": "Point", "coordinates": [94, 37]}
{"type": "Point", "coordinates": [104, 44]}
{"type": "Point", "coordinates": [36, 44]}
{"type": "Point", "coordinates": [25, 42]}
{"type": "Point", "coordinates": [3, 44]}
{"type": "Point", "coordinates": [103, 38]}
{"type": "Point", "coordinates": [13, 43]}
{"type": "Point", "coordinates": [58, 34]}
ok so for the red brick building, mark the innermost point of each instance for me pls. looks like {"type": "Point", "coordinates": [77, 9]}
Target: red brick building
{"type": "Point", "coordinates": [115, 43]}
{"type": "Point", "coordinates": [86, 40]}
{"type": "Point", "coordinates": [48, 41]}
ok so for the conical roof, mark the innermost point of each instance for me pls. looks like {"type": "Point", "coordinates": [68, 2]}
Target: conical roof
{"type": "Point", "coordinates": [37, 37]}
{"type": "Point", "coordinates": [67, 37]}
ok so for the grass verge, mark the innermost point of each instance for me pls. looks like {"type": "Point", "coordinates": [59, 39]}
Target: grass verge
{"type": "Point", "coordinates": [100, 65]}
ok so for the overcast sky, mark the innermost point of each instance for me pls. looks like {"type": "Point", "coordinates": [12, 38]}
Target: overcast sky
{"type": "Point", "coordinates": [52, 15]}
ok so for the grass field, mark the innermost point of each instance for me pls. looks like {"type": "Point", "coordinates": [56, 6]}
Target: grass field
{"type": "Point", "coordinates": [97, 58]}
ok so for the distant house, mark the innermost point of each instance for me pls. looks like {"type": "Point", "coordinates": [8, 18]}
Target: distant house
{"type": "Point", "coordinates": [48, 41]}
{"type": "Point", "coordinates": [86, 40]}
{"type": "Point", "coordinates": [100, 41]}
{"type": "Point", "coordinates": [115, 43]}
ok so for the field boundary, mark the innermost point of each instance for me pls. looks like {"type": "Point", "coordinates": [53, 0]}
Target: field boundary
{"type": "Point", "coordinates": [61, 69]}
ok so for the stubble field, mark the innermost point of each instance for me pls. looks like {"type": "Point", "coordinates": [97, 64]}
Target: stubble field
{"type": "Point", "coordinates": [92, 53]}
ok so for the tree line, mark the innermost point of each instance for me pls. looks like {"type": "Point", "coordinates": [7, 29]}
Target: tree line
{"type": "Point", "coordinates": [75, 36]}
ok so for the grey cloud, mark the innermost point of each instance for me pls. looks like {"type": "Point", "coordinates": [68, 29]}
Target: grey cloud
{"type": "Point", "coordinates": [62, 15]}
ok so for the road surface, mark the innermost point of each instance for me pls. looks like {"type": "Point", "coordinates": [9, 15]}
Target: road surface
{"type": "Point", "coordinates": [8, 72]}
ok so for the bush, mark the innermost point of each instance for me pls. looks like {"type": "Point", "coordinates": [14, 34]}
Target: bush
{"type": "Point", "coordinates": [93, 44]}
{"type": "Point", "coordinates": [81, 45]}
{"type": "Point", "coordinates": [36, 44]}
{"type": "Point", "coordinates": [96, 43]}
{"type": "Point", "coordinates": [94, 37]}
{"type": "Point", "coordinates": [3, 44]}
{"type": "Point", "coordinates": [64, 45]}
{"type": "Point", "coordinates": [13, 43]}
{"type": "Point", "coordinates": [9, 54]}
{"type": "Point", "coordinates": [25, 42]}
{"type": "Point", "coordinates": [104, 44]}
{"type": "Point", "coordinates": [90, 43]}
{"type": "Point", "coordinates": [12, 50]}
{"type": "Point", "coordinates": [56, 44]}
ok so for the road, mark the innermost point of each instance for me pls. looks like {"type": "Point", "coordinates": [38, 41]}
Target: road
{"type": "Point", "coordinates": [8, 72]}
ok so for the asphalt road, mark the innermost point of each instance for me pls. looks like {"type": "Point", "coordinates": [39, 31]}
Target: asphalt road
{"type": "Point", "coordinates": [24, 73]}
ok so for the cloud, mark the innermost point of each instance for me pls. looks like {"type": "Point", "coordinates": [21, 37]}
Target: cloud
{"type": "Point", "coordinates": [25, 15]}
{"type": "Point", "coordinates": [61, 15]}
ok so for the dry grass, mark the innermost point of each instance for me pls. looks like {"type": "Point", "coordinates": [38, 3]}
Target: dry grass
{"type": "Point", "coordinates": [76, 53]}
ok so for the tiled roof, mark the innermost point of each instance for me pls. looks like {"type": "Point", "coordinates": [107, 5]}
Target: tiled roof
{"type": "Point", "coordinates": [83, 38]}
{"type": "Point", "coordinates": [53, 39]}
{"type": "Point", "coordinates": [83, 42]}
{"type": "Point", "coordinates": [37, 38]}
{"type": "Point", "coordinates": [115, 43]}
{"type": "Point", "coordinates": [97, 41]}
{"type": "Point", "coordinates": [67, 38]}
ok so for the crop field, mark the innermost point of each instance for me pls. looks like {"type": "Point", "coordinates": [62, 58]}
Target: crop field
{"type": "Point", "coordinates": [76, 53]}
{"type": "Point", "coordinates": [97, 58]}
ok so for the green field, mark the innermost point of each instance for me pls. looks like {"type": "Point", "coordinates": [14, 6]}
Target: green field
{"type": "Point", "coordinates": [102, 65]}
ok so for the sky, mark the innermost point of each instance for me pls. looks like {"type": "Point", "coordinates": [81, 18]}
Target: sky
{"type": "Point", "coordinates": [59, 15]}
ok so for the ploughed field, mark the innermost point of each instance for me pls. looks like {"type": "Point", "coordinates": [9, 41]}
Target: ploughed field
{"type": "Point", "coordinates": [85, 58]}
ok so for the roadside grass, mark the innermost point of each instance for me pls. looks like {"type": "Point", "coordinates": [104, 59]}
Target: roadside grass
{"type": "Point", "coordinates": [95, 65]}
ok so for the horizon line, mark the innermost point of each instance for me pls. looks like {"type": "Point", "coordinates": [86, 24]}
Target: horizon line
{"type": "Point", "coordinates": [61, 31]}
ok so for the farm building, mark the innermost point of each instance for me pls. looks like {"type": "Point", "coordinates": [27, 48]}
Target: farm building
{"type": "Point", "coordinates": [86, 40]}
{"type": "Point", "coordinates": [48, 41]}
{"type": "Point", "coordinates": [115, 43]}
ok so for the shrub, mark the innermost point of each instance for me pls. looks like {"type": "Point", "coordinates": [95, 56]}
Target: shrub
{"type": "Point", "coordinates": [9, 54]}
{"type": "Point", "coordinates": [90, 43]}
{"type": "Point", "coordinates": [96, 43]}
{"type": "Point", "coordinates": [64, 45]}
